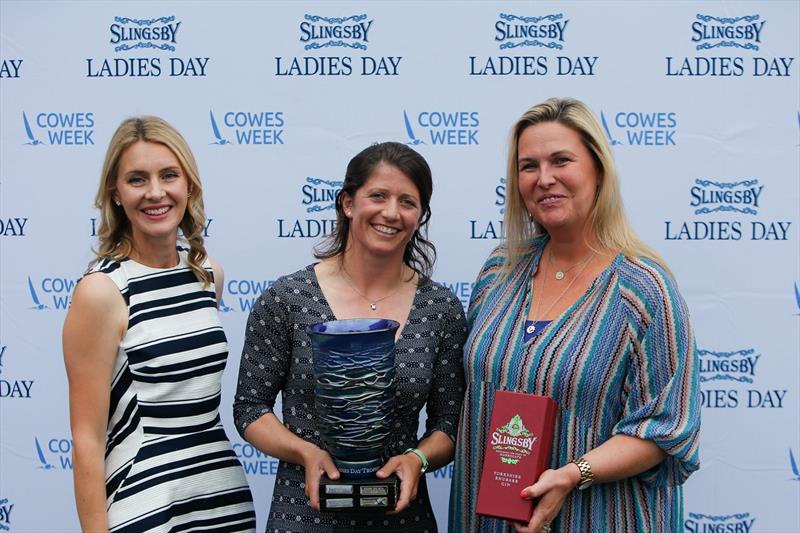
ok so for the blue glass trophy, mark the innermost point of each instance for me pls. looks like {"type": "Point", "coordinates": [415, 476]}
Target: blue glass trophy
{"type": "Point", "coordinates": [354, 374]}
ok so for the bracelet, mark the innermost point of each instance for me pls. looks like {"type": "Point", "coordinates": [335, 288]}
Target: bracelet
{"type": "Point", "coordinates": [587, 478]}
{"type": "Point", "coordinates": [418, 453]}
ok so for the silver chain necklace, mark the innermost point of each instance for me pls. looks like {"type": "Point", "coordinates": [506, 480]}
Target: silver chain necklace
{"type": "Point", "coordinates": [532, 328]}
{"type": "Point", "coordinates": [560, 274]}
{"type": "Point", "coordinates": [373, 304]}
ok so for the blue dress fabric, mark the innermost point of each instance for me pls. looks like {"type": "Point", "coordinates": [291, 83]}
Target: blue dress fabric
{"type": "Point", "coordinates": [620, 361]}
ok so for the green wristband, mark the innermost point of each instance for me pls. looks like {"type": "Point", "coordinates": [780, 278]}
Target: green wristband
{"type": "Point", "coordinates": [418, 453]}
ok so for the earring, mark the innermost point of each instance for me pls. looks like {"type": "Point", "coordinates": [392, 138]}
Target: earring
{"type": "Point", "coordinates": [117, 202]}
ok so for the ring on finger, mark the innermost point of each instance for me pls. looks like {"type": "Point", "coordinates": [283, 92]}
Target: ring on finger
{"type": "Point", "coordinates": [546, 527]}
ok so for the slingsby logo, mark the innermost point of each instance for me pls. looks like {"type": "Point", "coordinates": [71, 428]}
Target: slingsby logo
{"type": "Point", "coordinates": [640, 128]}
{"type": "Point", "coordinates": [321, 32]}
{"type": "Point", "coordinates": [547, 31]}
{"type": "Point", "coordinates": [317, 195]}
{"type": "Point", "coordinates": [57, 128]}
{"type": "Point", "coordinates": [51, 290]}
{"type": "Point", "coordinates": [737, 366]}
{"type": "Point", "coordinates": [726, 380]}
{"type": "Point", "coordinates": [702, 523]}
{"type": "Point", "coordinates": [12, 388]}
{"type": "Point", "coordinates": [712, 35]}
{"type": "Point", "coordinates": [132, 35]}
{"type": "Point", "coordinates": [739, 196]}
{"type": "Point", "coordinates": [160, 33]}
{"type": "Point", "coordinates": [11, 68]}
{"type": "Point", "coordinates": [513, 441]}
{"type": "Point", "coordinates": [491, 229]}
{"type": "Point", "coordinates": [247, 127]}
{"type": "Point", "coordinates": [5, 514]}
{"type": "Point", "coordinates": [57, 450]}
{"type": "Point", "coordinates": [739, 32]}
{"type": "Point", "coordinates": [542, 33]}
{"type": "Point", "coordinates": [326, 34]}
{"type": "Point", "coordinates": [737, 199]}
{"type": "Point", "coordinates": [454, 128]}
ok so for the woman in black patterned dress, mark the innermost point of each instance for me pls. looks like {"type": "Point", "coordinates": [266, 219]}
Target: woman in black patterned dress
{"type": "Point", "coordinates": [376, 264]}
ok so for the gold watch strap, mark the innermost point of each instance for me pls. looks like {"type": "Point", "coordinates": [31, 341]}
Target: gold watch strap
{"type": "Point", "coordinates": [587, 478]}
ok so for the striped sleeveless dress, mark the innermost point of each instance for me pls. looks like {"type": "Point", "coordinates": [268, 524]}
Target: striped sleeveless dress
{"type": "Point", "coordinates": [169, 465]}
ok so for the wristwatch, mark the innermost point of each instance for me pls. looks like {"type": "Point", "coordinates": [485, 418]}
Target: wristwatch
{"type": "Point", "coordinates": [587, 478]}
{"type": "Point", "coordinates": [418, 453]}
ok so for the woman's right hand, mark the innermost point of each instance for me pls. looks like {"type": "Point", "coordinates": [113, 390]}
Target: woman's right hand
{"type": "Point", "coordinates": [317, 462]}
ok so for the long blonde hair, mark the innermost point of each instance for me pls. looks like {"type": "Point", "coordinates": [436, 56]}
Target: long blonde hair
{"type": "Point", "coordinates": [114, 232]}
{"type": "Point", "coordinates": [607, 216]}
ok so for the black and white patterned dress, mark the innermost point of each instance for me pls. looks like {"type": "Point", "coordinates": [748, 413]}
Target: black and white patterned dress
{"type": "Point", "coordinates": [277, 358]}
{"type": "Point", "coordinates": [169, 464]}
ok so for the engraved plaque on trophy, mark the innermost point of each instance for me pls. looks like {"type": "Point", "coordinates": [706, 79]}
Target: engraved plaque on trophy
{"type": "Point", "coordinates": [517, 451]}
{"type": "Point", "coordinates": [354, 385]}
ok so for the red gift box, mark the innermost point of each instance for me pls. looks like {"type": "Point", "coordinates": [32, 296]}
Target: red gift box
{"type": "Point", "coordinates": [517, 452]}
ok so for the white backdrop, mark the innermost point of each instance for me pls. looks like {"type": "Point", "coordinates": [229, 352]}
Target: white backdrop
{"type": "Point", "coordinates": [700, 100]}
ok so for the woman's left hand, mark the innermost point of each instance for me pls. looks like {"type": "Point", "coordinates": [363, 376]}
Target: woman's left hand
{"type": "Point", "coordinates": [408, 468]}
{"type": "Point", "coordinates": [551, 489]}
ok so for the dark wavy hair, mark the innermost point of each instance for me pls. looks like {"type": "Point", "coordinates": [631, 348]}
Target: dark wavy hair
{"type": "Point", "coordinates": [420, 253]}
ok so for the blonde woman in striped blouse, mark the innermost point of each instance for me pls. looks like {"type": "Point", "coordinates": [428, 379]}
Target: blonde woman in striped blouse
{"type": "Point", "coordinates": [575, 307]}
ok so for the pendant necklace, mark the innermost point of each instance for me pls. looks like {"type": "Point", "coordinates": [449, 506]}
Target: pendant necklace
{"type": "Point", "coordinates": [560, 274]}
{"type": "Point", "coordinates": [532, 328]}
{"type": "Point", "coordinates": [373, 304]}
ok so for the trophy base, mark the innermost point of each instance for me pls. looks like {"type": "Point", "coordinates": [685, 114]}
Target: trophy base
{"type": "Point", "coordinates": [365, 494]}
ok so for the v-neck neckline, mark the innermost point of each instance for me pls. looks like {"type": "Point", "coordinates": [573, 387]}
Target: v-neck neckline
{"type": "Point", "coordinates": [423, 281]}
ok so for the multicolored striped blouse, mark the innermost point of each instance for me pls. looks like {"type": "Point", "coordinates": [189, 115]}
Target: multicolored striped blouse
{"type": "Point", "coordinates": [620, 360]}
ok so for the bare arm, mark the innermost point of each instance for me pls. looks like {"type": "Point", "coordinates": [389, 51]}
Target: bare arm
{"type": "Point", "coordinates": [444, 406]}
{"type": "Point", "coordinates": [438, 448]}
{"type": "Point", "coordinates": [619, 457]}
{"type": "Point", "coordinates": [269, 435]}
{"type": "Point", "coordinates": [219, 278]}
{"type": "Point", "coordinates": [262, 375]}
{"type": "Point", "coordinates": [92, 330]}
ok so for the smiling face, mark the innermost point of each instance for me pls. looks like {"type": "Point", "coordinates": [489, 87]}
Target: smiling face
{"type": "Point", "coordinates": [558, 177]}
{"type": "Point", "coordinates": [384, 212]}
{"type": "Point", "coordinates": [152, 189]}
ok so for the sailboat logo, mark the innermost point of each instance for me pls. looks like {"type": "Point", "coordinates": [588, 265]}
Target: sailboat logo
{"type": "Point", "coordinates": [410, 131]}
{"type": "Point", "coordinates": [215, 129]}
{"type": "Point", "coordinates": [32, 140]}
{"type": "Point", "coordinates": [36, 303]}
{"type": "Point", "coordinates": [611, 138]}
{"type": "Point", "coordinates": [40, 453]}
{"type": "Point", "coordinates": [224, 308]}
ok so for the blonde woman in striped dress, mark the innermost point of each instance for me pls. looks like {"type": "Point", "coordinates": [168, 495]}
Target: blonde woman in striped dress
{"type": "Point", "coordinates": [575, 307]}
{"type": "Point", "coordinates": [145, 351]}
